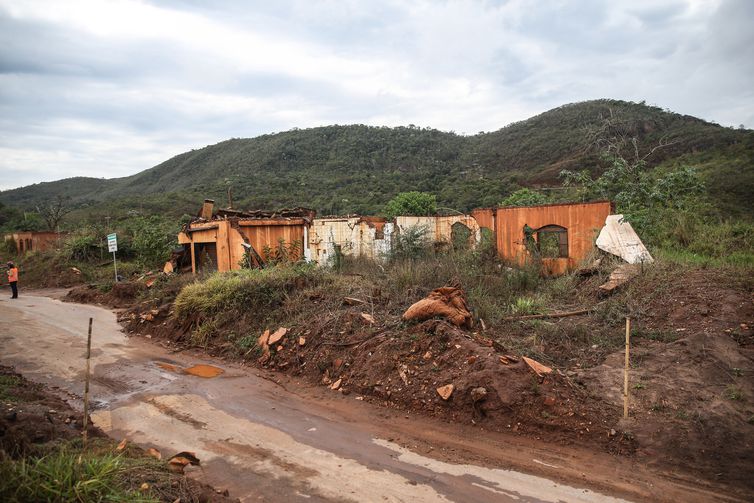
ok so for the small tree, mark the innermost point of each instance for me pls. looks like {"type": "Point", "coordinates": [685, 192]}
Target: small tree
{"type": "Point", "coordinates": [524, 197]}
{"type": "Point", "coordinates": [660, 204]}
{"type": "Point", "coordinates": [411, 204]}
{"type": "Point", "coordinates": [54, 211]}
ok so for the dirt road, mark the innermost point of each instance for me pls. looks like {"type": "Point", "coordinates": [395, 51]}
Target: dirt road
{"type": "Point", "coordinates": [281, 441]}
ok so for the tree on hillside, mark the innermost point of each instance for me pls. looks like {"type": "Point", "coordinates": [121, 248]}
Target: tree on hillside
{"type": "Point", "coordinates": [652, 200]}
{"type": "Point", "coordinates": [524, 197]}
{"type": "Point", "coordinates": [54, 211]}
{"type": "Point", "coordinates": [411, 203]}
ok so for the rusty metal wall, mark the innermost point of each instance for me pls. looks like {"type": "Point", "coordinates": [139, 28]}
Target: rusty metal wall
{"type": "Point", "coordinates": [260, 233]}
{"type": "Point", "coordinates": [269, 233]}
{"type": "Point", "coordinates": [582, 220]}
{"type": "Point", "coordinates": [485, 217]}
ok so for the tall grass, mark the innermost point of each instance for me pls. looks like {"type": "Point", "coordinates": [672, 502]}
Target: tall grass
{"type": "Point", "coordinates": [68, 475]}
{"type": "Point", "coordinates": [244, 290]}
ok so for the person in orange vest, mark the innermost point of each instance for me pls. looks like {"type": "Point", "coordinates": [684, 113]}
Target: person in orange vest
{"type": "Point", "coordinates": [13, 279]}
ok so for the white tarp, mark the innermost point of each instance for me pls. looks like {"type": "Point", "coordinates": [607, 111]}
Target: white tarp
{"type": "Point", "coordinates": [619, 238]}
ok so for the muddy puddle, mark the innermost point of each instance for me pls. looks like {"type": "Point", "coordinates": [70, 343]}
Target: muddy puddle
{"type": "Point", "coordinates": [206, 371]}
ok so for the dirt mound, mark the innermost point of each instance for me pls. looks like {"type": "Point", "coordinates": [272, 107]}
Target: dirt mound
{"type": "Point", "coordinates": [31, 418]}
{"type": "Point", "coordinates": [404, 369]}
{"type": "Point", "coordinates": [692, 376]}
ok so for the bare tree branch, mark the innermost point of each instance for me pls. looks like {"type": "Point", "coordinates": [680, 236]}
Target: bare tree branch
{"type": "Point", "coordinates": [53, 212]}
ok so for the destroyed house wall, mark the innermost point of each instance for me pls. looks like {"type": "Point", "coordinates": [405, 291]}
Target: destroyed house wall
{"type": "Point", "coordinates": [521, 233]}
{"type": "Point", "coordinates": [231, 238]}
{"type": "Point", "coordinates": [33, 241]}
{"type": "Point", "coordinates": [356, 236]}
{"type": "Point", "coordinates": [439, 229]}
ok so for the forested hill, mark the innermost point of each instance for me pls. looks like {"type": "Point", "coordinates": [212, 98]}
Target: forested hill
{"type": "Point", "coordinates": [357, 168]}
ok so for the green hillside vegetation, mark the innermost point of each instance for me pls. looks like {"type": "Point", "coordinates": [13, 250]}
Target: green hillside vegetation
{"type": "Point", "coordinates": [357, 169]}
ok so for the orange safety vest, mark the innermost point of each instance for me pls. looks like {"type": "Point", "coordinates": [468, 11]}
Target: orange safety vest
{"type": "Point", "coordinates": [13, 274]}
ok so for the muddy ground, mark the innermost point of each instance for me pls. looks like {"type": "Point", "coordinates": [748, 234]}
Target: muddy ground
{"type": "Point", "coordinates": [691, 378]}
{"type": "Point", "coordinates": [35, 422]}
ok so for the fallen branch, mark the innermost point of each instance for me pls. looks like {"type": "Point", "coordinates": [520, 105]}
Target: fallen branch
{"type": "Point", "coordinates": [549, 315]}
{"type": "Point", "coordinates": [355, 343]}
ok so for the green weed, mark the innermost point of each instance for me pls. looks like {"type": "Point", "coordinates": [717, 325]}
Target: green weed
{"type": "Point", "coordinates": [7, 382]}
{"type": "Point", "coordinates": [69, 475]}
{"type": "Point", "coordinates": [526, 305]}
{"type": "Point", "coordinates": [733, 392]}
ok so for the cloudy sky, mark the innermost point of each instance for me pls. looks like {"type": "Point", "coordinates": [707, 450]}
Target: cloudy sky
{"type": "Point", "coordinates": [109, 88]}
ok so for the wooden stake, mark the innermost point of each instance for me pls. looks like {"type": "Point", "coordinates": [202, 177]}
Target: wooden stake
{"type": "Point", "coordinates": [86, 382]}
{"type": "Point", "coordinates": [625, 370]}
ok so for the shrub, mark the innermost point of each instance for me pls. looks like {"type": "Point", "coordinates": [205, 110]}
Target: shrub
{"type": "Point", "coordinates": [524, 197]}
{"type": "Point", "coordinates": [83, 245]}
{"type": "Point", "coordinates": [411, 203]}
{"type": "Point", "coordinates": [412, 243]}
{"type": "Point", "coordinates": [152, 239]}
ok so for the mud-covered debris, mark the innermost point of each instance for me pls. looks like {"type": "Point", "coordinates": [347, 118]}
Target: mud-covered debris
{"type": "Point", "coordinates": [181, 460]}
{"type": "Point", "coordinates": [471, 359]}
{"type": "Point", "coordinates": [368, 318]}
{"type": "Point", "coordinates": [277, 335]}
{"type": "Point", "coordinates": [478, 394]}
{"type": "Point", "coordinates": [262, 343]}
{"type": "Point", "coordinates": [508, 359]}
{"type": "Point", "coordinates": [537, 367]}
{"type": "Point", "coordinates": [154, 453]}
{"type": "Point", "coordinates": [549, 400]}
{"type": "Point", "coordinates": [590, 269]}
{"type": "Point", "coordinates": [619, 277]}
{"type": "Point", "coordinates": [336, 384]}
{"type": "Point", "coordinates": [447, 302]}
{"type": "Point", "coordinates": [427, 355]}
{"type": "Point", "coordinates": [264, 338]}
{"type": "Point", "coordinates": [122, 445]}
{"type": "Point", "coordinates": [402, 372]}
{"type": "Point", "coordinates": [353, 301]}
{"type": "Point", "coordinates": [147, 317]}
{"type": "Point", "coordinates": [445, 391]}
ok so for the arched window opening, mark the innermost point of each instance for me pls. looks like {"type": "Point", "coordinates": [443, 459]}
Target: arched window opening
{"type": "Point", "coordinates": [460, 236]}
{"type": "Point", "coordinates": [552, 241]}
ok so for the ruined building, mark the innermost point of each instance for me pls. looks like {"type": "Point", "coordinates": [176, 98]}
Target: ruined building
{"type": "Point", "coordinates": [559, 235]}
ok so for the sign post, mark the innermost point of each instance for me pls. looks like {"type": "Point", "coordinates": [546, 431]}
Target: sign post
{"type": "Point", "coordinates": [112, 246]}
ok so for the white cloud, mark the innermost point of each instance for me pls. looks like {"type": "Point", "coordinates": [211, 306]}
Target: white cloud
{"type": "Point", "coordinates": [109, 88]}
